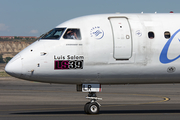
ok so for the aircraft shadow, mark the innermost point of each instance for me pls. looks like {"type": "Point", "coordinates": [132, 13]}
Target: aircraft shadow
{"type": "Point", "coordinates": [101, 112]}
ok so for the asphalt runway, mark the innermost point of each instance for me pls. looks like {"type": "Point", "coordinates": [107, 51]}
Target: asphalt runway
{"type": "Point", "coordinates": [23, 100]}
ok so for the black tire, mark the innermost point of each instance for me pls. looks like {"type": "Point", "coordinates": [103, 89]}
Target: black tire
{"type": "Point", "coordinates": [93, 108]}
{"type": "Point", "coordinates": [86, 107]}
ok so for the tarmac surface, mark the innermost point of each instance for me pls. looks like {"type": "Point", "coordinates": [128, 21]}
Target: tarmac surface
{"type": "Point", "coordinates": [25, 100]}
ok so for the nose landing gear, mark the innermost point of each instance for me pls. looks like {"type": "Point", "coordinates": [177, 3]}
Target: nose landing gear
{"type": "Point", "coordinates": [93, 106]}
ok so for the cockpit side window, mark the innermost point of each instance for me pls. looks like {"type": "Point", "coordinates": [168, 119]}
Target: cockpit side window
{"type": "Point", "coordinates": [72, 34]}
{"type": "Point", "coordinates": [54, 34]}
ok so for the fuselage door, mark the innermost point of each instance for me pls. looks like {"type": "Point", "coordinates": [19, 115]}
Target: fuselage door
{"type": "Point", "coordinates": [122, 38]}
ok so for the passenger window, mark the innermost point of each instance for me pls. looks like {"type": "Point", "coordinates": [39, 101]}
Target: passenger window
{"type": "Point", "coordinates": [167, 35]}
{"type": "Point", "coordinates": [72, 34]}
{"type": "Point", "coordinates": [151, 35]}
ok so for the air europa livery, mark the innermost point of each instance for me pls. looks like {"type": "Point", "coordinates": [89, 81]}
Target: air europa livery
{"type": "Point", "coordinates": [94, 50]}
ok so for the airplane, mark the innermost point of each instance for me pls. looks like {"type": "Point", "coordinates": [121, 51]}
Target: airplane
{"type": "Point", "coordinates": [104, 49]}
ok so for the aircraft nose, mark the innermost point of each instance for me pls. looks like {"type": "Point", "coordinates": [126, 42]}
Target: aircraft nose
{"type": "Point", "coordinates": [14, 66]}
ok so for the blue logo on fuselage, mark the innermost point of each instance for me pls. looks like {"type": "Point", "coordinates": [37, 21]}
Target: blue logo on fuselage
{"type": "Point", "coordinates": [163, 56]}
{"type": "Point", "coordinates": [97, 33]}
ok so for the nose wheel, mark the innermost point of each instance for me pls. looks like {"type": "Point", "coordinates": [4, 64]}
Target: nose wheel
{"type": "Point", "coordinates": [93, 106]}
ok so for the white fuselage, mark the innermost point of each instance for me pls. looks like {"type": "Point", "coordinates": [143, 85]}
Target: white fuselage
{"type": "Point", "coordinates": [113, 49]}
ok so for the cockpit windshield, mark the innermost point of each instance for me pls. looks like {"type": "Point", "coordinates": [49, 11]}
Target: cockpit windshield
{"type": "Point", "coordinates": [54, 33]}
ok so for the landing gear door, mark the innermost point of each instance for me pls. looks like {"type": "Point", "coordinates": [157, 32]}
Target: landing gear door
{"type": "Point", "coordinates": [122, 48]}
